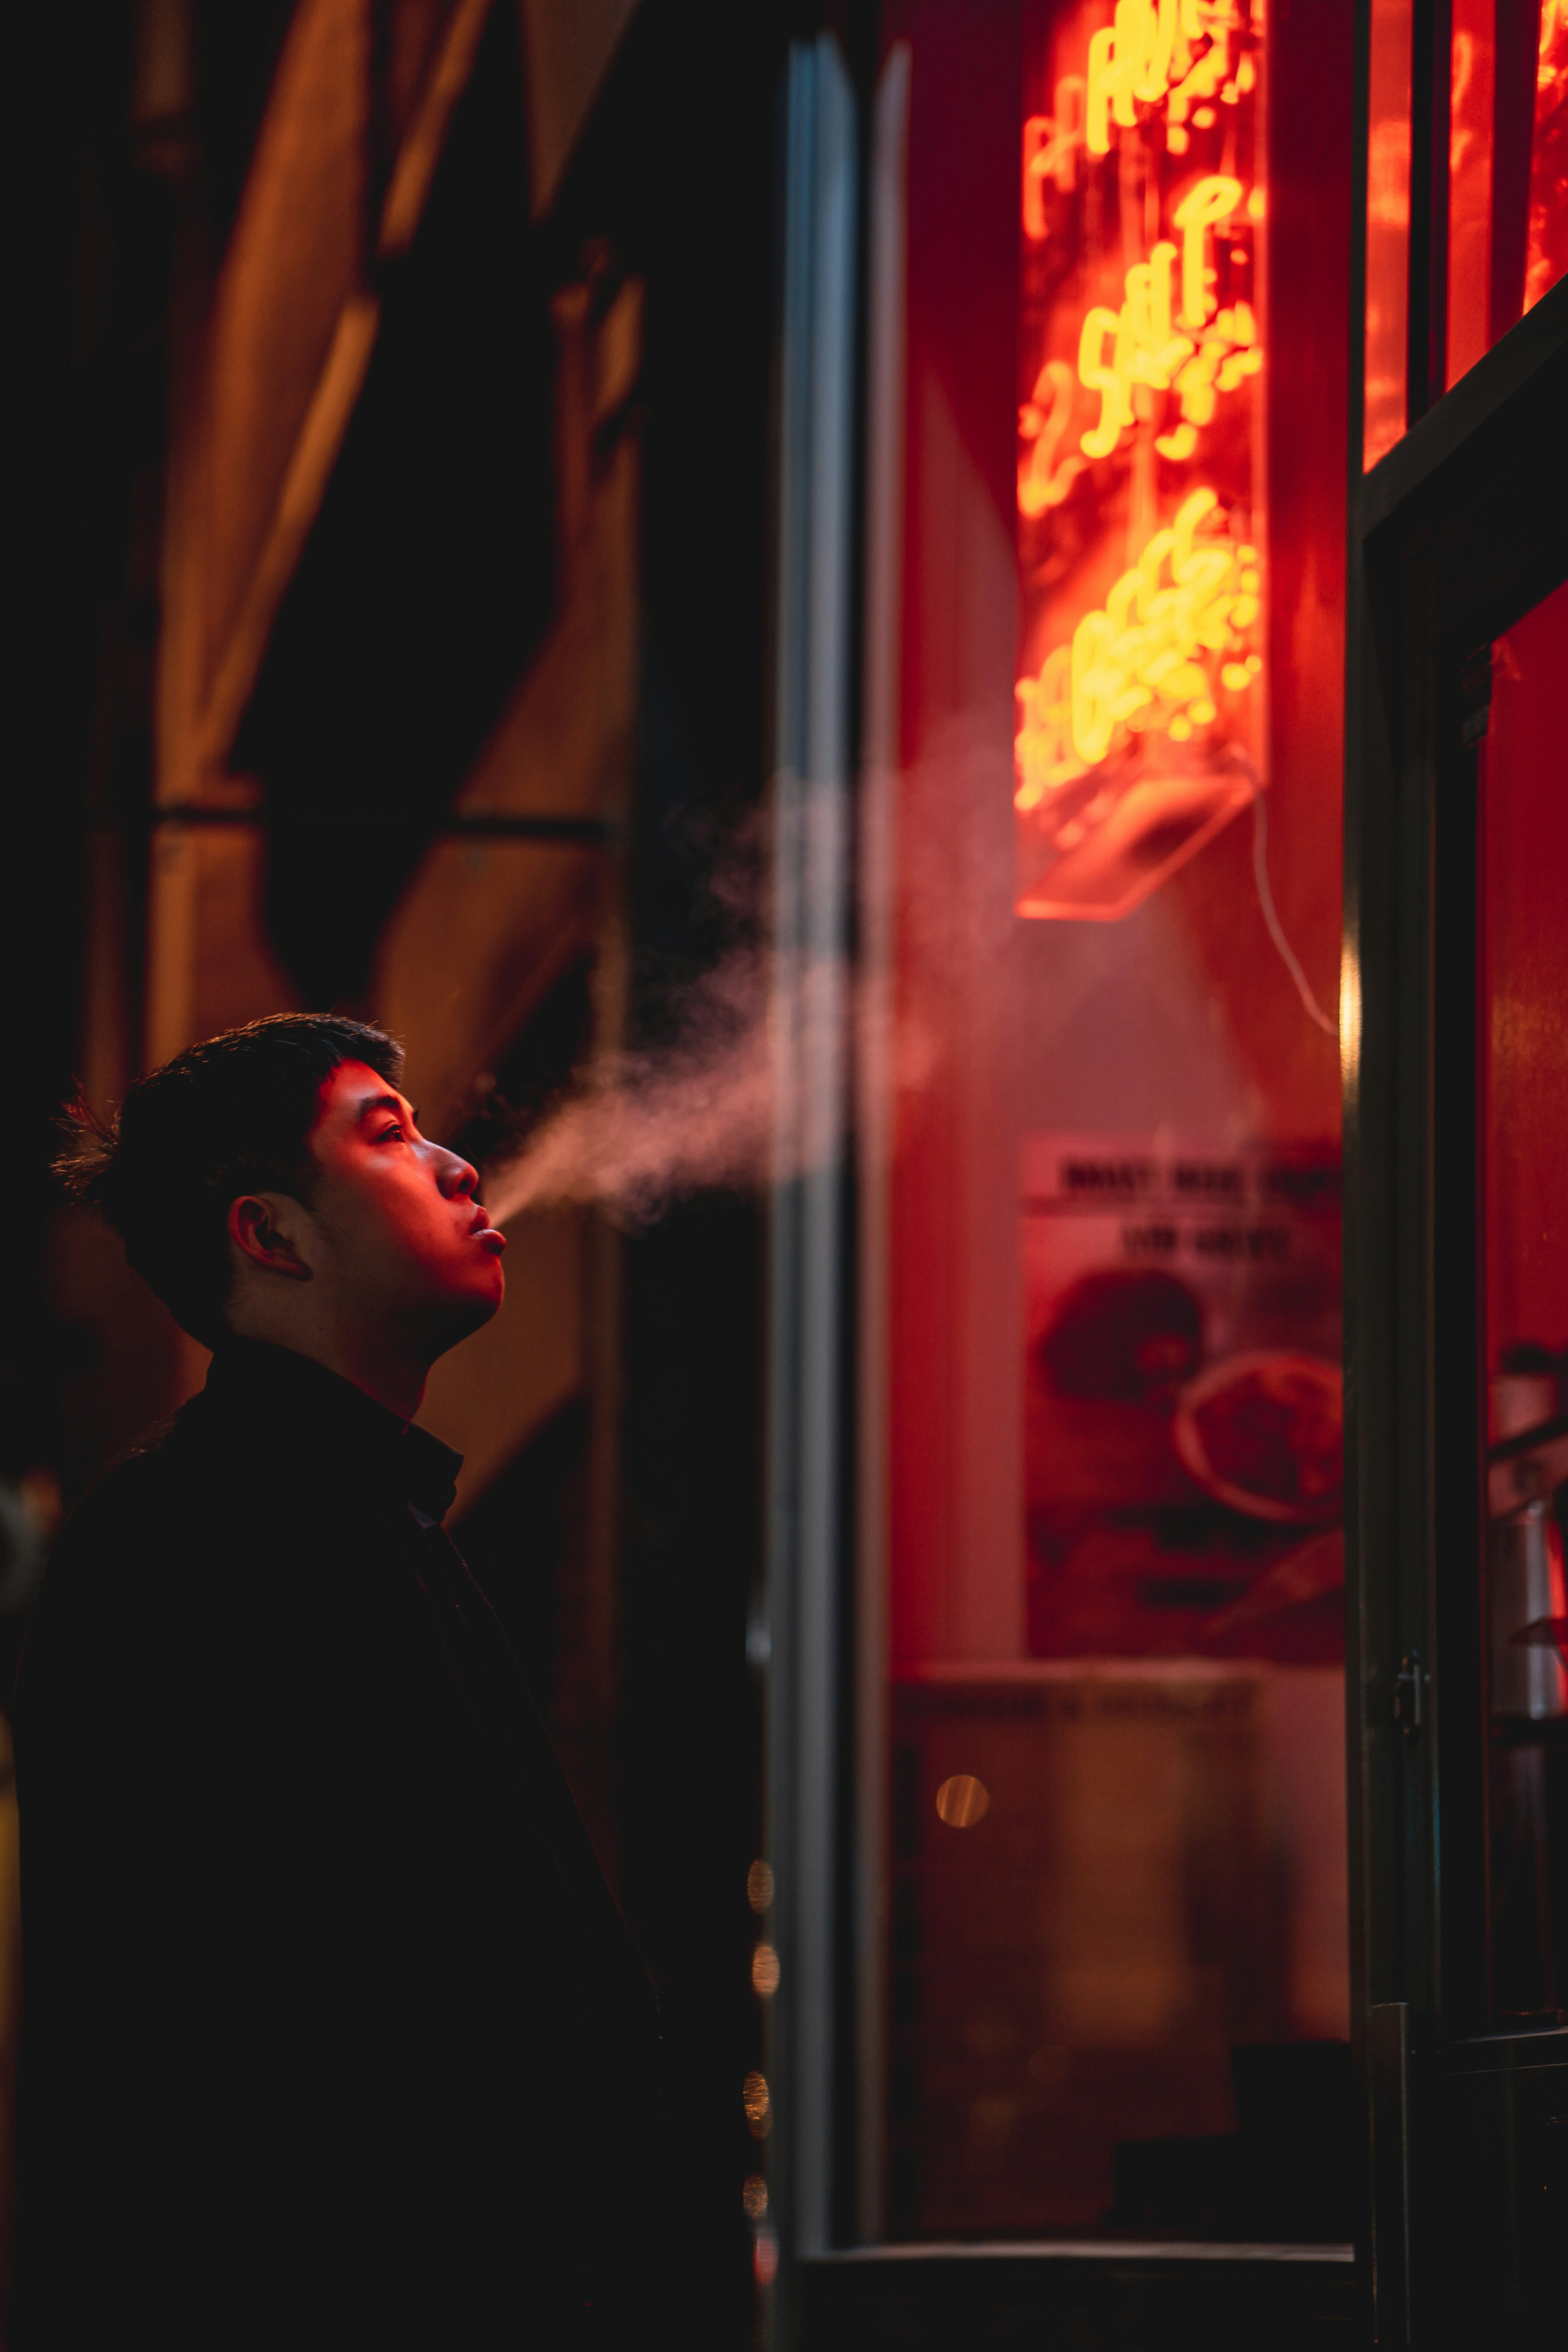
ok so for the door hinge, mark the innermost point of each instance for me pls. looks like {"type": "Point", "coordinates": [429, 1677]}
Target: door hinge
{"type": "Point", "coordinates": [1407, 1696]}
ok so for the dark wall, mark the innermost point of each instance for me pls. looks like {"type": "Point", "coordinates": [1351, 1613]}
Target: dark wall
{"type": "Point", "coordinates": [111, 211]}
{"type": "Point", "coordinates": [428, 577]}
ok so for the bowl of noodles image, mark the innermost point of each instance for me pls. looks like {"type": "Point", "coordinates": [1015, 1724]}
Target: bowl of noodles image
{"type": "Point", "coordinates": [1264, 1432]}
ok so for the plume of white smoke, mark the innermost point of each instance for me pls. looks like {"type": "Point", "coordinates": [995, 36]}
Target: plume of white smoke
{"type": "Point", "coordinates": [753, 1085]}
{"type": "Point", "coordinates": [641, 1129]}
{"type": "Point", "coordinates": [755, 1076]}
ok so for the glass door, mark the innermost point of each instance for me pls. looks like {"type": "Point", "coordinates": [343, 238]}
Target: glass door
{"type": "Point", "coordinates": [1455, 1046]}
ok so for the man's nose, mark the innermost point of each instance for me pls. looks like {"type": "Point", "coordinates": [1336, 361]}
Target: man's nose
{"type": "Point", "coordinates": [454, 1174]}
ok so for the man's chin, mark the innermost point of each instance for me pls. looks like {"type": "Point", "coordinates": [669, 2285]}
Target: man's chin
{"type": "Point", "coordinates": [467, 1311]}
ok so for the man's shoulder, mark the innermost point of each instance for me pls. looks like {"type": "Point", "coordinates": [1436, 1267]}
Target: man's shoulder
{"type": "Point", "coordinates": [134, 1548]}
{"type": "Point", "coordinates": [144, 1486]}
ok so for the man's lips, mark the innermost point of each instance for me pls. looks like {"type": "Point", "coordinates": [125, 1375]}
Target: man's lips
{"type": "Point", "coordinates": [481, 1230]}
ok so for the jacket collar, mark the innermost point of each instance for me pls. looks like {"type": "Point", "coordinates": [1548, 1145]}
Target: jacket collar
{"type": "Point", "coordinates": [290, 1396]}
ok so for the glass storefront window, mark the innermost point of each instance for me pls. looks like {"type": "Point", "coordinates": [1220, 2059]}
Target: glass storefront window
{"type": "Point", "coordinates": [1524, 984]}
{"type": "Point", "coordinates": [1114, 1989]}
{"type": "Point", "coordinates": [1504, 194]}
{"type": "Point", "coordinates": [1386, 358]}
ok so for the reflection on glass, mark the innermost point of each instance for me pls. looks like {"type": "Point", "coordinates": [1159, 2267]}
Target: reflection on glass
{"type": "Point", "coordinates": [1472, 84]}
{"type": "Point", "coordinates": [1387, 229]}
{"type": "Point", "coordinates": [1547, 253]}
{"type": "Point", "coordinates": [1508, 186]}
{"type": "Point", "coordinates": [1116, 1974]}
{"type": "Point", "coordinates": [960, 1799]}
{"type": "Point", "coordinates": [1524, 981]}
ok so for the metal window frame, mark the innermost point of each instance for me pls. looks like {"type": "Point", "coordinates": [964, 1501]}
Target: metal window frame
{"type": "Point", "coordinates": [810, 1240]}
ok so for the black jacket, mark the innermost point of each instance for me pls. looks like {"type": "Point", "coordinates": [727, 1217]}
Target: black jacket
{"type": "Point", "coordinates": [332, 2030]}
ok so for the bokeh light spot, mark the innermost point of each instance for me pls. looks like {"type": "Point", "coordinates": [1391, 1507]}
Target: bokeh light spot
{"type": "Point", "coordinates": [962, 1800]}
{"type": "Point", "coordinates": [757, 2103]}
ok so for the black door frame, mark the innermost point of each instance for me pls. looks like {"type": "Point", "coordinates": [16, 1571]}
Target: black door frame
{"type": "Point", "coordinates": [1456, 534]}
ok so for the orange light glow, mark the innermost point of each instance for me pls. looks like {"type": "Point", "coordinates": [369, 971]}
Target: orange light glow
{"type": "Point", "coordinates": [1051, 144]}
{"type": "Point", "coordinates": [758, 2103]}
{"type": "Point", "coordinates": [1471, 106]}
{"type": "Point", "coordinates": [1385, 360]}
{"type": "Point", "coordinates": [961, 1801]}
{"type": "Point", "coordinates": [764, 1971]}
{"type": "Point", "coordinates": [759, 1886]}
{"type": "Point", "coordinates": [1547, 257]}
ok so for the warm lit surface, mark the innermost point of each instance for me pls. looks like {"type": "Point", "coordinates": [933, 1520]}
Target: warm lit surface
{"type": "Point", "coordinates": [1142, 346]}
{"type": "Point", "coordinates": [1472, 107]}
{"type": "Point", "coordinates": [1546, 252]}
{"type": "Point", "coordinates": [1386, 358]}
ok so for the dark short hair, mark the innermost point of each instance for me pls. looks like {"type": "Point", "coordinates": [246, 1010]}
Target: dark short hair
{"type": "Point", "coordinates": [227, 1117]}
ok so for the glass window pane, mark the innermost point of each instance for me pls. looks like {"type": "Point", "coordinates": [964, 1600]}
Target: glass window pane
{"type": "Point", "coordinates": [1387, 229]}
{"type": "Point", "coordinates": [1524, 982]}
{"type": "Point", "coordinates": [1508, 167]}
{"type": "Point", "coordinates": [1507, 187]}
{"type": "Point", "coordinates": [1546, 256]}
{"type": "Point", "coordinates": [1116, 1993]}
{"type": "Point", "coordinates": [1471, 109]}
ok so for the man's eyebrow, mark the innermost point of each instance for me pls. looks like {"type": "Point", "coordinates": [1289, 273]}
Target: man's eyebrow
{"type": "Point", "coordinates": [373, 1102]}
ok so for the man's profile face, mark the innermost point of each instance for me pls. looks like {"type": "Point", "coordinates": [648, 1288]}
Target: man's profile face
{"type": "Point", "coordinates": [399, 1213]}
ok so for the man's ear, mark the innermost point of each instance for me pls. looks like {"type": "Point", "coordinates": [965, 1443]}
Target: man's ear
{"type": "Point", "coordinates": [258, 1230]}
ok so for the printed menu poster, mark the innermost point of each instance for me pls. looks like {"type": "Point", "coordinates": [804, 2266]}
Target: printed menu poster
{"type": "Point", "coordinates": [1183, 1475]}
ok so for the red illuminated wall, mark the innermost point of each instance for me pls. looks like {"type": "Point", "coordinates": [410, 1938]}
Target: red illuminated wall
{"type": "Point", "coordinates": [1525, 958]}
{"type": "Point", "coordinates": [1182, 1012]}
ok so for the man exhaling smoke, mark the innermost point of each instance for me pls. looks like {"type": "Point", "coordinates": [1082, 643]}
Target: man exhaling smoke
{"type": "Point", "coordinates": [332, 2031]}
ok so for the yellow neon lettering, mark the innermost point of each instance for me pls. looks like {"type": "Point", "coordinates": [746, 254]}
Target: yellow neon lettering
{"type": "Point", "coordinates": [1097, 91]}
{"type": "Point", "coordinates": [1110, 382]}
{"type": "Point", "coordinates": [1051, 143]}
{"type": "Point", "coordinates": [1141, 660]}
{"type": "Point", "coordinates": [1093, 723]}
{"type": "Point", "coordinates": [1146, 56]}
{"type": "Point", "coordinates": [1133, 18]}
{"type": "Point", "coordinates": [1042, 483]}
{"type": "Point", "coordinates": [1167, 651]}
{"type": "Point", "coordinates": [1203, 80]}
{"type": "Point", "coordinates": [1037, 130]}
{"type": "Point", "coordinates": [1206, 203]}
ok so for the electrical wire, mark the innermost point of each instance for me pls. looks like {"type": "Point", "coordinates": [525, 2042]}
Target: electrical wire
{"type": "Point", "coordinates": [1288, 957]}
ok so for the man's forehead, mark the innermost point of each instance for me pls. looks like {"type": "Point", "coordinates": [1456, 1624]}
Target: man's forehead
{"type": "Point", "coordinates": [355, 1091]}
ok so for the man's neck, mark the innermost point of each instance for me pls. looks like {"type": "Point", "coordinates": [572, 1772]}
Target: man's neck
{"type": "Point", "coordinates": [399, 1386]}
{"type": "Point", "coordinates": [386, 1373]}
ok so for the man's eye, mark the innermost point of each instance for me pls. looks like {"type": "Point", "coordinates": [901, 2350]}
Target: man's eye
{"type": "Point", "coordinates": [387, 1133]}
